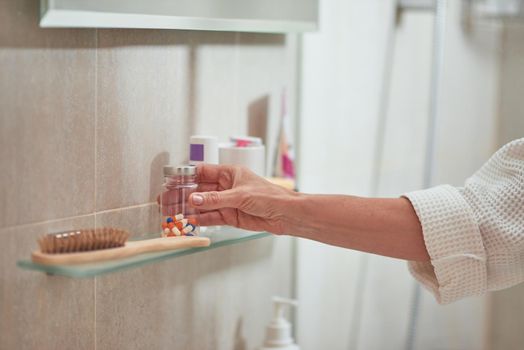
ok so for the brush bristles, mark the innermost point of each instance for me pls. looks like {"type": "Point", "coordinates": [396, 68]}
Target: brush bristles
{"type": "Point", "coordinates": [82, 240]}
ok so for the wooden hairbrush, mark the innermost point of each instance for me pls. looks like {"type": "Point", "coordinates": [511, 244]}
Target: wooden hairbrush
{"type": "Point", "coordinates": [94, 245]}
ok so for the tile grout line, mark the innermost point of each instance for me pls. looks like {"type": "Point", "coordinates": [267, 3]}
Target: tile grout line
{"type": "Point", "coordinates": [95, 172]}
{"type": "Point", "coordinates": [143, 205]}
{"type": "Point", "coordinates": [107, 211]}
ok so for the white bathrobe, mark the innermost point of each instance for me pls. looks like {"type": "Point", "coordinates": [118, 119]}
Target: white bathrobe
{"type": "Point", "coordinates": [474, 234]}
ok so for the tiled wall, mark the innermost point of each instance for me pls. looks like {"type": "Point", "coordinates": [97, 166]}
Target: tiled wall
{"type": "Point", "coordinates": [87, 120]}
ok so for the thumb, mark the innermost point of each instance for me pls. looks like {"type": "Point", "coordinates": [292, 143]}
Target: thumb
{"type": "Point", "coordinates": [215, 199]}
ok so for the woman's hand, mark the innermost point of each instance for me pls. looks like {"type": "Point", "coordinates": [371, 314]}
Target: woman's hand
{"type": "Point", "coordinates": [230, 195]}
{"type": "Point", "coordinates": [235, 196]}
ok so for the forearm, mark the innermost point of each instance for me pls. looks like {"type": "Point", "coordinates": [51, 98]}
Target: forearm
{"type": "Point", "coordinates": [384, 226]}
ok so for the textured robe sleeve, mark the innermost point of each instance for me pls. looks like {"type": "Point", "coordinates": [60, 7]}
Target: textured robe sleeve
{"type": "Point", "coordinates": [475, 234]}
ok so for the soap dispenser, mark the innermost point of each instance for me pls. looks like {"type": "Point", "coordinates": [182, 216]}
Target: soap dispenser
{"type": "Point", "coordinates": [278, 332]}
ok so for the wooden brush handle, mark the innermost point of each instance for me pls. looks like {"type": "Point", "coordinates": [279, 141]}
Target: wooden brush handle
{"type": "Point", "coordinates": [130, 249]}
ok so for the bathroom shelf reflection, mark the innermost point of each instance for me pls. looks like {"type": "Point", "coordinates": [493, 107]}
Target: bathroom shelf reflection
{"type": "Point", "coordinates": [220, 237]}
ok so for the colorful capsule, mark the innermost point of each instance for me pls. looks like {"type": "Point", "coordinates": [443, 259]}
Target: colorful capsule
{"type": "Point", "coordinates": [178, 225]}
{"type": "Point", "coordinates": [176, 231]}
{"type": "Point", "coordinates": [181, 224]}
{"type": "Point", "coordinates": [188, 228]}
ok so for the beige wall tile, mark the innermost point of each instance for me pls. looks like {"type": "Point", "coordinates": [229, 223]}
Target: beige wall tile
{"type": "Point", "coordinates": [215, 84]}
{"type": "Point", "coordinates": [143, 112]}
{"type": "Point", "coordinates": [219, 299]}
{"type": "Point", "coordinates": [46, 118]}
{"type": "Point", "coordinates": [155, 88]}
{"type": "Point", "coordinates": [212, 300]}
{"type": "Point", "coordinates": [143, 221]}
{"type": "Point", "coordinates": [38, 311]}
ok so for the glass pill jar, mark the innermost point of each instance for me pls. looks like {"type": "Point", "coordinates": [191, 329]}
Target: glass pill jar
{"type": "Point", "coordinates": [178, 217]}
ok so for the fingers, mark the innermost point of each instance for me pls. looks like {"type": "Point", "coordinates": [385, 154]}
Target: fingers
{"type": "Point", "coordinates": [210, 173]}
{"type": "Point", "coordinates": [207, 187]}
{"type": "Point", "coordinates": [216, 199]}
{"type": "Point", "coordinates": [229, 217]}
{"type": "Point", "coordinates": [211, 218]}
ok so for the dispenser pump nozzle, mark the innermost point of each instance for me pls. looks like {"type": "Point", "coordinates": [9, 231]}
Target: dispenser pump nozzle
{"type": "Point", "coordinates": [279, 304]}
{"type": "Point", "coordinates": [278, 332]}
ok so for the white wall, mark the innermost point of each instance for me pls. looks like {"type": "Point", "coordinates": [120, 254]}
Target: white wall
{"type": "Point", "coordinates": [354, 301]}
{"type": "Point", "coordinates": [466, 136]}
{"type": "Point", "coordinates": [342, 76]}
{"type": "Point", "coordinates": [507, 307]}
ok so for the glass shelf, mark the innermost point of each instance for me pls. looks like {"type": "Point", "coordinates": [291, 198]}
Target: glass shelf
{"type": "Point", "coordinates": [220, 237]}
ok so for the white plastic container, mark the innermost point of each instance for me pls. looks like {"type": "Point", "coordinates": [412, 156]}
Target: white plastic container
{"type": "Point", "coordinates": [203, 149]}
{"type": "Point", "coordinates": [252, 157]}
{"type": "Point", "coordinates": [278, 332]}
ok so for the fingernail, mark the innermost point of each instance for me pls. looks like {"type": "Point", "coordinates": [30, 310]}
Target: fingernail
{"type": "Point", "coordinates": [197, 199]}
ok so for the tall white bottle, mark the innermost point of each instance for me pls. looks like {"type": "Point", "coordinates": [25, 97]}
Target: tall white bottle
{"type": "Point", "coordinates": [278, 332]}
